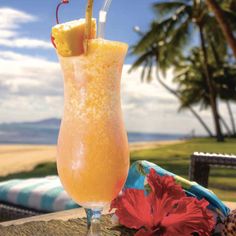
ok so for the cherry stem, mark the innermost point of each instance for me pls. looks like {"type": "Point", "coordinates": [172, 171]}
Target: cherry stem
{"type": "Point", "coordinates": [57, 10]}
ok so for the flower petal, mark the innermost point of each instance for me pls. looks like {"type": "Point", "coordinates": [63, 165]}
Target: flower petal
{"type": "Point", "coordinates": [190, 215]}
{"type": "Point", "coordinates": [144, 232]}
{"type": "Point", "coordinates": [165, 193]}
{"type": "Point", "coordinates": [164, 184]}
{"type": "Point", "coordinates": [133, 209]}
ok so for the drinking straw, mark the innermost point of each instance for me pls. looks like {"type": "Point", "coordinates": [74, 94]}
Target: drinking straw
{"type": "Point", "coordinates": [88, 22]}
{"type": "Point", "coordinates": [102, 18]}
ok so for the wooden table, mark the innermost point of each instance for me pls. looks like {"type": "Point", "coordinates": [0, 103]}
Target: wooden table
{"type": "Point", "coordinates": [64, 223]}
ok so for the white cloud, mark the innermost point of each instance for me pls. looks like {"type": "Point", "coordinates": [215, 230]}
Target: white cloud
{"type": "Point", "coordinates": [6, 34]}
{"type": "Point", "coordinates": [26, 66]}
{"type": "Point", "coordinates": [31, 88]}
{"type": "Point", "coordinates": [30, 76]}
{"type": "Point", "coordinates": [13, 18]}
{"type": "Point", "coordinates": [25, 43]}
{"type": "Point", "coordinates": [28, 108]}
{"type": "Point", "coordinates": [10, 25]}
{"type": "Point", "coordinates": [143, 94]}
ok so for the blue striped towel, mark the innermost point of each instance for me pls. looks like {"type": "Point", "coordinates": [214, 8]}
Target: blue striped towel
{"type": "Point", "coordinates": [43, 194]}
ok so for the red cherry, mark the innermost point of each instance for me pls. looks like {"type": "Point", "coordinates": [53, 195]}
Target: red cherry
{"type": "Point", "coordinates": [53, 43]}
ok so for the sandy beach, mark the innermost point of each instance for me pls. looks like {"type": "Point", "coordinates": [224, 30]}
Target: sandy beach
{"type": "Point", "coordinates": [16, 158]}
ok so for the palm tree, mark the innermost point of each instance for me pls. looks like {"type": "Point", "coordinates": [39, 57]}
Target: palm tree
{"type": "Point", "coordinates": [188, 106]}
{"type": "Point", "coordinates": [223, 23]}
{"type": "Point", "coordinates": [180, 22]}
{"type": "Point", "coordinates": [227, 72]}
{"type": "Point", "coordinates": [192, 84]}
{"type": "Point", "coordinates": [148, 56]}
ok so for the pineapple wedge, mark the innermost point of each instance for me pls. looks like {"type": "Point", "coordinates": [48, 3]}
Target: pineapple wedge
{"type": "Point", "coordinates": [68, 37]}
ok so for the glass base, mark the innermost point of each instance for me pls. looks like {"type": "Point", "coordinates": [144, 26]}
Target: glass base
{"type": "Point", "coordinates": [94, 205]}
{"type": "Point", "coordinates": [93, 222]}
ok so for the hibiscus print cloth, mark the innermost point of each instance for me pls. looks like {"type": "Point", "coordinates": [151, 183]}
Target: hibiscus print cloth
{"type": "Point", "coordinates": [137, 179]}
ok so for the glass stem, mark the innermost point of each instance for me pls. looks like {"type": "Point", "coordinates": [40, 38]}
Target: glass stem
{"type": "Point", "coordinates": [89, 214]}
{"type": "Point", "coordinates": [93, 222]}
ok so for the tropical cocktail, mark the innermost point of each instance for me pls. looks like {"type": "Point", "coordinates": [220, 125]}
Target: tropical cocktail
{"type": "Point", "coordinates": [93, 155]}
{"type": "Point", "coordinates": [92, 146]}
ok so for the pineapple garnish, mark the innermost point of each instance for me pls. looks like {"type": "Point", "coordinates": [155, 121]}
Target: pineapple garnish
{"type": "Point", "coordinates": [71, 38]}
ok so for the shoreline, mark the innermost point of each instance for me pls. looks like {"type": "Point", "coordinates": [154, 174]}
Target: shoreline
{"type": "Point", "coordinates": [153, 144]}
{"type": "Point", "coordinates": [24, 157]}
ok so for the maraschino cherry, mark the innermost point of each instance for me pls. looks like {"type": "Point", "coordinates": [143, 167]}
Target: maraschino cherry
{"type": "Point", "coordinates": [57, 18]}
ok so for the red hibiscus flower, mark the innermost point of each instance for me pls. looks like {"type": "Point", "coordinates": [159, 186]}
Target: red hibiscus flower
{"type": "Point", "coordinates": [165, 211]}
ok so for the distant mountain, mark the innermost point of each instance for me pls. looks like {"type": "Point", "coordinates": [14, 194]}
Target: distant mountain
{"type": "Point", "coordinates": [38, 132]}
{"type": "Point", "coordinates": [52, 122]}
{"type": "Point", "coordinates": [46, 122]}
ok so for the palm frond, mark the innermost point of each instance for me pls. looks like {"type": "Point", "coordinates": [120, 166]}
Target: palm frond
{"type": "Point", "coordinates": [181, 36]}
{"type": "Point", "coordinates": [213, 33]}
{"type": "Point", "coordinates": [150, 67]}
{"type": "Point", "coordinates": [141, 60]}
{"type": "Point", "coordinates": [166, 8]}
{"type": "Point", "coordinates": [172, 22]}
{"type": "Point", "coordinates": [144, 70]}
{"type": "Point", "coordinates": [147, 40]}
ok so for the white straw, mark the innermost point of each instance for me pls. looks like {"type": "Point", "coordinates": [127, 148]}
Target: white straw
{"type": "Point", "coordinates": [102, 18]}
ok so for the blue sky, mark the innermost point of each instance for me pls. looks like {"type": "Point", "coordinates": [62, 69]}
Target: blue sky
{"type": "Point", "coordinates": [31, 84]}
{"type": "Point", "coordinates": [123, 16]}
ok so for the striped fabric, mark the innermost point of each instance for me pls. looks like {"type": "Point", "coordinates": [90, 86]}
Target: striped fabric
{"type": "Point", "coordinates": [42, 194]}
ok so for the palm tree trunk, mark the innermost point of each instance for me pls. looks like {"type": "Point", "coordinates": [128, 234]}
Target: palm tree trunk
{"type": "Point", "coordinates": [189, 107]}
{"type": "Point", "coordinates": [219, 63]}
{"type": "Point", "coordinates": [224, 25]}
{"type": "Point", "coordinates": [212, 94]}
{"type": "Point", "coordinates": [231, 118]}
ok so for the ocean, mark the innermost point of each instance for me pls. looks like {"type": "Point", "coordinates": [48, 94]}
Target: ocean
{"type": "Point", "coordinates": [46, 132]}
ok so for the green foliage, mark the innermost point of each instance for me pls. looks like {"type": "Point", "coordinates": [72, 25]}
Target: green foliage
{"type": "Point", "coordinates": [165, 39]}
{"type": "Point", "coordinates": [192, 84]}
{"type": "Point", "coordinates": [164, 8]}
{"type": "Point", "coordinates": [229, 7]}
{"type": "Point", "coordinates": [40, 170]}
{"type": "Point", "coordinates": [172, 36]}
{"type": "Point", "coordinates": [148, 39]}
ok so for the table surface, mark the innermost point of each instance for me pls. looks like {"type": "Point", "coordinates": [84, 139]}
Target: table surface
{"type": "Point", "coordinates": [70, 222]}
{"type": "Point", "coordinates": [72, 227]}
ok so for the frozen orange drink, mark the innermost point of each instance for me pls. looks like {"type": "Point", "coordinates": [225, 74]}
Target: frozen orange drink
{"type": "Point", "coordinates": [93, 155]}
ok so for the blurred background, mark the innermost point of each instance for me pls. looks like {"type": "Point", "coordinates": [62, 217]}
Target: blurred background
{"type": "Point", "coordinates": [178, 83]}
